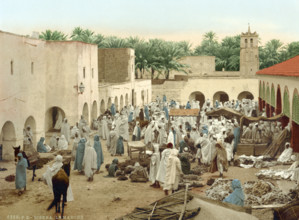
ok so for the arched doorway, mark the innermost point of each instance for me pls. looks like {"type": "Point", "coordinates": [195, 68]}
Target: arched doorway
{"type": "Point", "coordinates": [268, 101]}
{"type": "Point", "coordinates": [94, 110]}
{"type": "Point", "coordinates": [142, 97]}
{"type": "Point", "coordinates": [260, 97]}
{"type": "Point", "coordinates": [278, 101]}
{"type": "Point", "coordinates": [295, 122]}
{"type": "Point", "coordinates": [121, 102]}
{"type": "Point", "coordinates": [54, 118]}
{"type": "Point", "coordinates": [286, 108]}
{"type": "Point", "coordinates": [198, 96]}
{"type": "Point", "coordinates": [109, 104]}
{"type": "Point", "coordinates": [85, 113]}
{"type": "Point", "coordinates": [135, 99]}
{"type": "Point", "coordinates": [272, 107]}
{"type": "Point", "coordinates": [245, 95]}
{"type": "Point", "coordinates": [116, 103]}
{"type": "Point", "coordinates": [30, 121]}
{"type": "Point", "coordinates": [7, 140]}
{"type": "Point", "coordinates": [220, 96]}
{"type": "Point", "coordinates": [102, 107]}
{"type": "Point", "coordinates": [127, 99]}
{"type": "Point", "coordinates": [263, 96]}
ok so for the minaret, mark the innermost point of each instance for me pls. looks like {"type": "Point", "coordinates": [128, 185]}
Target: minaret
{"type": "Point", "coordinates": [249, 53]}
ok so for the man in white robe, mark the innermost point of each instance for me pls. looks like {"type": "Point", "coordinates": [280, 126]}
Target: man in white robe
{"type": "Point", "coordinates": [170, 138]}
{"type": "Point", "coordinates": [58, 122]}
{"type": "Point", "coordinates": [286, 154]}
{"type": "Point", "coordinates": [89, 161]}
{"type": "Point", "coordinates": [154, 166]}
{"type": "Point", "coordinates": [162, 135]}
{"type": "Point", "coordinates": [124, 127]}
{"type": "Point", "coordinates": [65, 130]}
{"type": "Point", "coordinates": [62, 143]}
{"type": "Point", "coordinates": [163, 163]}
{"type": "Point", "coordinates": [75, 130]}
{"type": "Point", "coordinates": [51, 171]}
{"type": "Point", "coordinates": [112, 141]}
{"type": "Point", "coordinates": [104, 129]}
{"type": "Point", "coordinates": [173, 172]}
{"type": "Point", "coordinates": [148, 136]}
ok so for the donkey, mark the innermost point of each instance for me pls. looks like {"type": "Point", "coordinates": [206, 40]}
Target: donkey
{"type": "Point", "coordinates": [32, 160]}
{"type": "Point", "coordinates": [60, 182]}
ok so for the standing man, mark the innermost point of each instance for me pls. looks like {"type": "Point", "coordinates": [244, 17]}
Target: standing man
{"type": "Point", "coordinates": [20, 180]}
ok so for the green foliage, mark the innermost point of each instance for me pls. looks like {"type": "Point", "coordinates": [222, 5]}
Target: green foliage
{"type": "Point", "coordinates": [160, 57]}
{"type": "Point", "coordinates": [52, 35]}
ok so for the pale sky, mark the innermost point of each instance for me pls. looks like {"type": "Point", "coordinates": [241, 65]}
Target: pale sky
{"type": "Point", "coordinates": [167, 19]}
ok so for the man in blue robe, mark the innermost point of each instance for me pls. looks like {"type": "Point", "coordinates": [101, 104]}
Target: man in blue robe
{"type": "Point", "coordinates": [98, 148]}
{"type": "Point", "coordinates": [41, 148]}
{"type": "Point", "coordinates": [236, 137]}
{"type": "Point", "coordinates": [112, 109]}
{"type": "Point", "coordinates": [136, 132]}
{"type": "Point", "coordinates": [120, 146]}
{"type": "Point", "coordinates": [164, 98]}
{"type": "Point", "coordinates": [130, 118]}
{"type": "Point", "coordinates": [165, 109]}
{"type": "Point", "coordinates": [113, 168]}
{"type": "Point", "coordinates": [20, 180]}
{"type": "Point", "coordinates": [237, 196]}
{"type": "Point", "coordinates": [146, 112]}
{"type": "Point", "coordinates": [188, 106]}
{"type": "Point", "coordinates": [80, 155]}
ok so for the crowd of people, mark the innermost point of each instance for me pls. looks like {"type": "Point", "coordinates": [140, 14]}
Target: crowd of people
{"type": "Point", "coordinates": [210, 141]}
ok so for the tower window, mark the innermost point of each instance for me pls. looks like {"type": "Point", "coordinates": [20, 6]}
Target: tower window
{"type": "Point", "coordinates": [84, 72]}
{"type": "Point", "coordinates": [32, 67]}
{"type": "Point", "coordinates": [11, 67]}
{"type": "Point", "coordinates": [245, 42]}
{"type": "Point", "coordinates": [251, 42]}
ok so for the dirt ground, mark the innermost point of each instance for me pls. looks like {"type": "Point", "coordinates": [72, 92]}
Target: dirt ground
{"type": "Point", "coordinates": [104, 198]}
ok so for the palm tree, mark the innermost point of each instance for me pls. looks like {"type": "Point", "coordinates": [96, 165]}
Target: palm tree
{"type": "Point", "coordinates": [115, 42]}
{"type": "Point", "coordinates": [271, 53]}
{"type": "Point", "coordinates": [52, 35]}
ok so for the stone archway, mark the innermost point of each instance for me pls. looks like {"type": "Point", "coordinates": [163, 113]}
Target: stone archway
{"type": "Point", "coordinates": [295, 122]}
{"type": "Point", "coordinates": [198, 96]}
{"type": "Point", "coordinates": [116, 103]}
{"type": "Point", "coordinates": [286, 108]}
{"type": "Point", "coordinates": [7, 140]}
{"type": "Point", "coordinates": [220, 96]}
{"type": "Point", "coordinates": [127, 99]}
{"type": "Point", "coordinates": [102, 107]}
{"type": "Point", "coordinates": [109, 103]}
{"type": "Point", "coordinates": [245, 95]}
{"type": "Point", "coordinates": [94, 110]}
{"type": "Point", "coordinates": [54, 118]}
{"type": "Point", "coordinates": [142, 97]}
{"type": "Point", "coordinates": [30, 121]}
{"type": "Point", "coordinates": [278, 101]}
{"type": "Point", "coordinates": [121, 102]}
{"type": "Point", "coordinates": [85, 113]}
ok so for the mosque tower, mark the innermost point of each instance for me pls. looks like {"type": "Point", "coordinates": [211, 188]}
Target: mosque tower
{"type": "Point", "coordinates": [249, 54]}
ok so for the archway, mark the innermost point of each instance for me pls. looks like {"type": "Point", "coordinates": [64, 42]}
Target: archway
{"type": "Point", "coordinates": [260, 97]}
{"type": "Point", "coordinates": [135, 99]}
{"type": "Point", "coordinates": [30, 121]}
{"type": "Point", "coordinates": [102, 107]}
{"type": "Point", "coordinates": [94, 110]}
{"type": "Point", "coordinates": [295, 122]}
{"type": "Point", "coordinates": [7, 140]}
{"type": "Point", "coordinates": [245, 95]}
{"type": "Point", "coordinates": [286, 108]}
{"type": "Point", "coordinates": [127, 99]}
{"type": "Point", "coordinates": [109, 104]}
{"type": "Point", "coordinates": [142, 97]}
{"type": "Point", "coordinates": [54, 118]}
{"type": "Point", "coordinates": [263, 96]}
{"type": "Point", "coordinates": [121, 102]}
{"type": "Point", "coordinates": [116, 103]}
{"type": "Point", "coordinates": [268, 98]}
{"type": "Point", "coordinates": [85, 112]}
{"type": "Point", "coordinates": [278, 101]}
{"type": "Point", "coordinates": [220, 96]}
{"type": "Point", "coordinates": [198, 96]}
{"type": "Point", "coordinates": [272, 107]}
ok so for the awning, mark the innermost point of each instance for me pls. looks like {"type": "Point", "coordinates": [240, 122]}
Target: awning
{"type": "Point", "coordinates": [184, 112]}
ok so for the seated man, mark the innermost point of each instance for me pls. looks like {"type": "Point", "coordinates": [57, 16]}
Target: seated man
{"type": "Point", "coordinates": [113, 168]}
{"type": "Point", "coordinates": [237, 196]}
{"type": "Point", "coordinates": [139, 174]}
{"type": "Point", "coordinates": [285, 156]}
{"type": "Point", "coordinates": [41, 147]}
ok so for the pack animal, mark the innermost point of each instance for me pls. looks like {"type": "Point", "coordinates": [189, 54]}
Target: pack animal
{"type": "Point", "coordinates": [32, 160]}
{"type": "Point", "coordinates": [60, 182]}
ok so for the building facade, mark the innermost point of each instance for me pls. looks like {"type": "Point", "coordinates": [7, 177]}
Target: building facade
{"type": "Point", "coordinates": [278, 93]}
